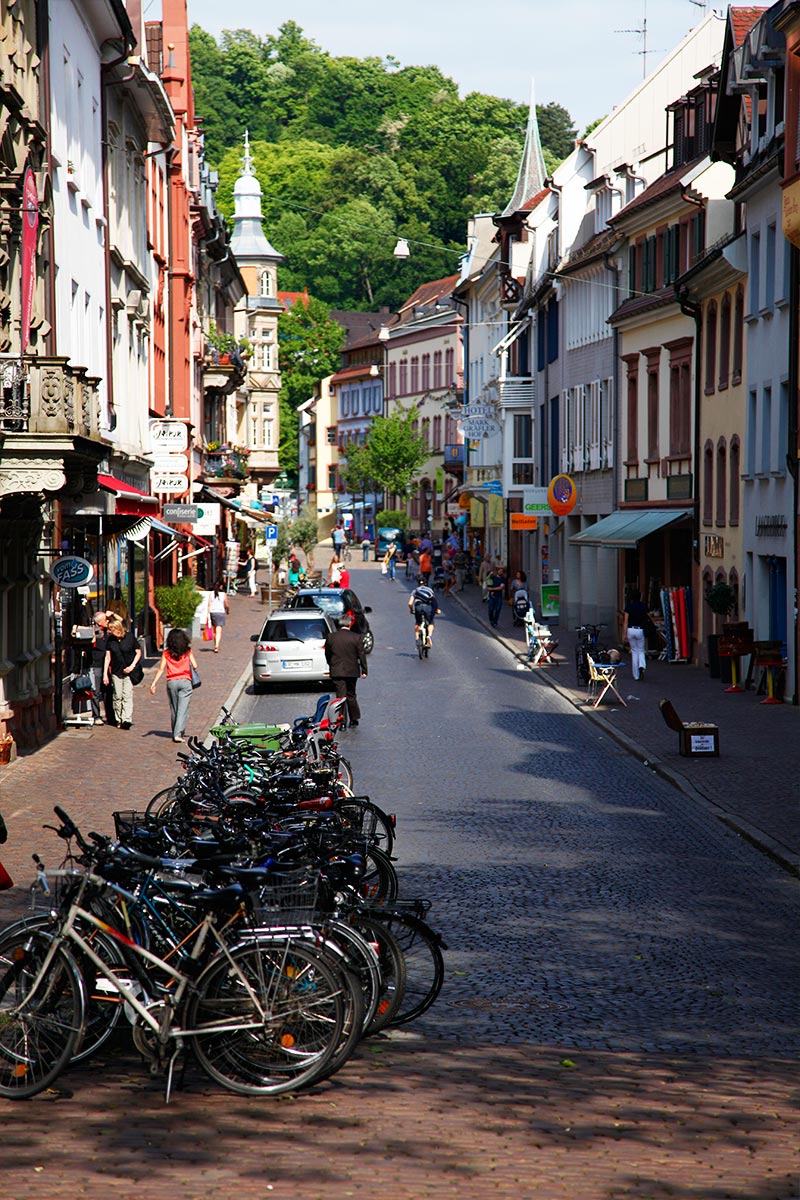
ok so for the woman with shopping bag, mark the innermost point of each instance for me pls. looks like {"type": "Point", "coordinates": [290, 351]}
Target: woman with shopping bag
{"type": "Point", "coordinates": [182, 678]}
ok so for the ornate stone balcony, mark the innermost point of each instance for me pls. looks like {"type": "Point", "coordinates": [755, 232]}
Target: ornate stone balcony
{"type": "Point", "coordinates": [49, 426]}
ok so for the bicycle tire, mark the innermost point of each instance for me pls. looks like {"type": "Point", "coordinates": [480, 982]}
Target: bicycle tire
{"type": "Point", "coordinates": [392, 966]}
{"type": "Point", "coordinates": [370, 820]}
{"type": "Point", "coordinates": [422, 952]}
{"type": "Point", "coordinates": [280, 1034]}
{"type": "Point", "coordinates": [379, 881]}
{"type": "Point", "coordinates": [102, 1010]}
{"type": "Point", "coordinates": [40, 1023]}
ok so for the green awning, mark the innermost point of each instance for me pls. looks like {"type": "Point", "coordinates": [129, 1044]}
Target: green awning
{"type": "Point", "coordinates": [624, 530]}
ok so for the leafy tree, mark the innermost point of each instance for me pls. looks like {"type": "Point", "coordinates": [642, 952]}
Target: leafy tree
{"type": "Point", "coordinates": [304, 531]}
{"type": "Point", "coordinates": [356, 470]}
{"type": "Point", "coordinates": [593, 125]}
{"type": "Point", "coordinates": [395, 452]}
{"type": "Point", "coordinates": [556, 130]}
{"type": "Point", "coordinates": [309, 345]}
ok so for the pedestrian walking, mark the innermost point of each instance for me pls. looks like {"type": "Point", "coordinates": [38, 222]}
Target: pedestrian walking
{"type": "Point", "coordinates": [634, 623]}
{"type": "Point", "coordinates": [334, 572]}
{"type": "Point", "coordinates": [425, 565]}
{"type": "Point", "coordinates": [365, 548]}
{"type": "Point", "coordinates": [391, 561]}
{"type": "Point", "coordinates": [338, 539]}
{"type": "Point", "coordinates": [347, 662]}
{"type": "Point", "coordinates": [460, 567]}
{"type": "Point", "coordinates": [495, 588]}
{"type": "Point", "coordinates": [178, 661]}
{"type": "Point", "coordinates": [218, 609]}
{"type": "Point", "coordinates": [102, 697]}
{"type": "Point", "coordinates": [123, 653]}
{"type": "Point", "coordinates": [251, 567]}
{"type": "Point", "coordinates": [484, 571]}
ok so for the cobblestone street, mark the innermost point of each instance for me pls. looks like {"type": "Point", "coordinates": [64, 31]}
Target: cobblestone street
{"type": "Point", "coordinates": [619, 1011]}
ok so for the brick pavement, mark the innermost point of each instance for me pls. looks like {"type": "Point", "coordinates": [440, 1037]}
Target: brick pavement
{"type": "Point", "coordinates": [753, 785]}
{"type": "Point", "coordinates": [408, 1118]}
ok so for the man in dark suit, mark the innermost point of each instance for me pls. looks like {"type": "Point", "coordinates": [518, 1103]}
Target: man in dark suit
{"type": "Point", "coordinates": [344, 651]}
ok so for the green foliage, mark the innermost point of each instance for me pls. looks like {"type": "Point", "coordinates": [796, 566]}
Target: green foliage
{"type": "Point", "coordinates": [392, 518]}
{"type": "Point", "coordinates": [593, 125]}
{"type": "Point", "coordinates": [355, 470]}
{"type": "Point", "coordinates": [352, 152]}
{"type": "Point", "coordinates": [177, 602]}
{"type": "Point", "coordinates": [395, 452]}
{"type": "Point", "coordinates": [721, 598]}
{"type": "Point", "coordinates": [304, 531]}
{"type": "Point", "coordinates": [309, 348]}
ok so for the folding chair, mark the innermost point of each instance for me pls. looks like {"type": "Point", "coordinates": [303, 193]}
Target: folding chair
{"type": "Point", "coordinates": [602, 675]}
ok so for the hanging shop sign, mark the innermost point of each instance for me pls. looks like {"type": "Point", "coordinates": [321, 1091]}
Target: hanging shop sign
{"type": "Point", "coordinates": [187, 514]}
{"type": "Point", "coordinates": [474, 428]}
{"type": "Point", "coordinates": [168, 482]}
{"type": "Point", "coordinates": [170, 464]}
{"type": "Point", "coordinates": [168, 437]}
{"type": "Point", "coordinates": [208, 517]}
{"type": "Point", "coordinates": [71, 571]}
{"type": "Point", "coordinates": [562, 495]}
{"type": "Point", "coordinates": [535, 502]}
{"type": "Point", "coordinates": [523, 521]}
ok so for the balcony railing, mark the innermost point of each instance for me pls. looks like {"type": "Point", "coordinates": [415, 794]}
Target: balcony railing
{"type": "Point", "coordinates": [225, 464]}
{"type": "Point", "coordinates": [516, 391]}
{"type": "Point", "coordinates": [48, 396]}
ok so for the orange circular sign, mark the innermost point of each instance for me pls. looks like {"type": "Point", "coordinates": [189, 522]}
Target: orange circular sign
{"type": "Point", "coordinates": [562, 495]}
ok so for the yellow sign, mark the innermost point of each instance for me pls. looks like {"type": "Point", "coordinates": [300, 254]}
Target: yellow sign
{"type": "Point", "coordinates": [523, 521]}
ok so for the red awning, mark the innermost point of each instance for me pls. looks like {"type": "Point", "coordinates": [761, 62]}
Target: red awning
{"type": "Point", "coordinates": [131, 501]}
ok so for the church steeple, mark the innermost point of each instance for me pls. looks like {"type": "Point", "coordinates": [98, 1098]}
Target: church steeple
{"type": "Point", "coordinates": [249, 243]}
{"type": "Point", "coordinates": [532, 171]}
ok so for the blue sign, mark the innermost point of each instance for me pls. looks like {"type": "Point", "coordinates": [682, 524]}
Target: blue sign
{"type": "Point", "coordinates": [271, 533]}
{"type": "Point", "coordinates": [494, 486]}
{"type": "Point", "coordinates": [71, 571]}
{"type": "Point", "coordinates": [275, 500]}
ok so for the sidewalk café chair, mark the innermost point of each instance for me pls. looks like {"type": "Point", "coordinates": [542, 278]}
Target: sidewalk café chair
{"type": "Point", "coordinates": [541, 645]}
{"type": "Point", "coordinates": [603, 675]}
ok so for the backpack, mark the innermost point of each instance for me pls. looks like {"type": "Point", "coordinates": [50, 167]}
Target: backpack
{"type": "Point", "coordinates": [424, 594]}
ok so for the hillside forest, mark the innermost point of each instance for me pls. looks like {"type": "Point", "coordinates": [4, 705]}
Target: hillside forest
{"type": "Point", "coordinates": [353, 153]}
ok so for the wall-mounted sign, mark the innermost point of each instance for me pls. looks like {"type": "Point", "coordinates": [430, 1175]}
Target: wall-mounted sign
{"type": "Point", "coordinates": [535, 501]}
{"type": "Point", "coordinates": [168, 483]}
{"type": "Point", "coordinates": [170, 464]}
{"type": "Point", "coordinates": [714, 545]}
{"type": "Point", "coordinates": [185, 513]}
{"type": "Point", "coordinates": [208, 517]}
{"type": "Point", "coordinates": [562, 495]}
{"type": "Point", "coordinates": [474, 428]}
{"type": "Point", "coordinates": [71, 571]}
{"type": "Point", "coordinates": [523, 521]}
{"type": "Point", "coordinates": [168, 437]}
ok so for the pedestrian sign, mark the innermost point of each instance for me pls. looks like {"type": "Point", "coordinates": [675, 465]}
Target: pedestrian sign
{"type": "Point", "coordinates": [271, 533]}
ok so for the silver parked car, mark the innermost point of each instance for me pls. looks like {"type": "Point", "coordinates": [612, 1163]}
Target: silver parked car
{"type": "Point", "coordinates": [291, 648]}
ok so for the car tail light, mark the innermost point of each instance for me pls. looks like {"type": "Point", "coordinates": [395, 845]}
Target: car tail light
{"type": "Point", "coordinates": [266, 646]}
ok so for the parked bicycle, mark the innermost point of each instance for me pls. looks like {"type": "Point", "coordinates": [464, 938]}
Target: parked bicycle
{"type": "Point", "coordinates": [588, 646]}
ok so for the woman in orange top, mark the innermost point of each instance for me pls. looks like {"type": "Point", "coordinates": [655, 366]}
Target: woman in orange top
{"type": "Point", "coordinates": [425, 565]}
{"type": "Point", "coordinates": [177, 660]}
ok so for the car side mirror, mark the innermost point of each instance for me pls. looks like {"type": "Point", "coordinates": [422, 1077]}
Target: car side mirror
{"type": "Point", "coordinates": [367, 608]}
{"type": "Point", "coordinates": [253, 637]}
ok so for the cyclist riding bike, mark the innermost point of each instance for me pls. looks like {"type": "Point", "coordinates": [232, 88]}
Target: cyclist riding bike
{"type": "Point", "coordinates": [423, 602]}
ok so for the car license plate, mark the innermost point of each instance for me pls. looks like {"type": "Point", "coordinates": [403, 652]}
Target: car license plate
{"type": "Point", "coordinates": [296, 664]}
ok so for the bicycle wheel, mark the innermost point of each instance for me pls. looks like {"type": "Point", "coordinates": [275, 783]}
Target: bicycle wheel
{"type": "Point", "coordinates": [41, 1018]}
{"type": "Point", "coordinates": [268, 1019]}
{"type": "Point", "coordinates": [420, 643]}
{"type": "Point", "coordinates": [369, 819]}
{"type": "Point", "coordinates": [422, 952]}
{"type": "Point", "coordinates": [580, 665]}
{"type": "Point", "coordinates": [392, 965]}
{"type": "Point", "coordinates": [379, 881]}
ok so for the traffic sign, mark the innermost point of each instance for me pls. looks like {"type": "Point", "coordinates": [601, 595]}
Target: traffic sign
{"type": "Point", "coordinates": [271, 533]}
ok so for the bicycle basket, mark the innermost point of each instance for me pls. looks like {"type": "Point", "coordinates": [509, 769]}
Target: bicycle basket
{"type": "Point", "coordinates": [288, 896]}
{"type": "Point", "coordinates": [128, 822]}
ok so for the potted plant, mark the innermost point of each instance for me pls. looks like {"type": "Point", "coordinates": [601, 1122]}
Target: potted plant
{"type": "Point", "coordinates": [177, 604]}
{"type": "Point", "coordinates": [721, 598]}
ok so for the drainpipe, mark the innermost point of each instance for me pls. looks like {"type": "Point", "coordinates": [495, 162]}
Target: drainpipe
{"type": "Point", "coordinates": [613, 267]}
{"type": "Point", "coordinates": [692, 309]}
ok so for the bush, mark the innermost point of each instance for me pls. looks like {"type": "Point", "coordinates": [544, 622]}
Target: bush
{"type": "Point", "coordinates": [721, 598]}
{"type": "Point", "coordinates": [177, 603]}
{"type": "Point", "coordinates": [390, 518]}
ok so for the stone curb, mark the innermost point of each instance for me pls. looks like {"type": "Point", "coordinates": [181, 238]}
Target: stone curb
{"type": "Point", "coordinates": [756, 837]}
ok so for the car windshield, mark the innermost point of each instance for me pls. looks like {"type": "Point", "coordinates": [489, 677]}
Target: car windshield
{"type": "Point", "coordinates": [302, 630]}
{"type": "Point", "coordinates": [331, 603]}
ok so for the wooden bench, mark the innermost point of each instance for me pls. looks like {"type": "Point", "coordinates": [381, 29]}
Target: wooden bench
{"type": "Point", "coordinates": [695, 738]}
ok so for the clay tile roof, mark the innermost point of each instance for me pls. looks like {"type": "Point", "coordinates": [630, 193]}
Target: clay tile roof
{"type": "Point", "coordinates": [535, 201]}
{"type": "Point", "coordinates": [429, 293]}
{"type": "Point", "coordinates": [743, 20]}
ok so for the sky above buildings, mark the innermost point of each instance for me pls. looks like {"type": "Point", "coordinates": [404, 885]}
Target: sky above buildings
{"type": "Point", "coordinates": [571, 48]}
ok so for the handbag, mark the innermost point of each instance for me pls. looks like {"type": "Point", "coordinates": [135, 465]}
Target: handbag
{"type": "Point", "coordinates": [384, 568]}
{"type": "Point", "coordinates": [137, 674]}
{"type": "Point", "coordinates": [196, 680]}
{"type": "Point", "coordinates": [208, 632]}
{"type": "Point", "coordinates": [82, 683]}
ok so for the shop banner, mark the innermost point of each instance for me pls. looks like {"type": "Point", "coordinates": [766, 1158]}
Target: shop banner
{"type": "Point", "coordinates": [30, 226]}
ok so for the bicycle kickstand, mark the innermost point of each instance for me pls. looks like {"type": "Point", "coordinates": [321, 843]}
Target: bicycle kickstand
{"type": "Point", "coordinates": [171, 1070]}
